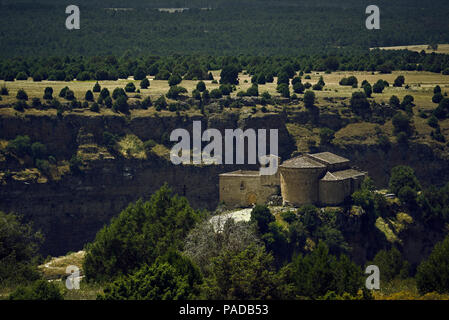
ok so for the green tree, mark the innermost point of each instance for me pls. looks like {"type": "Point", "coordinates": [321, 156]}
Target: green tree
{"type": "Point", "coordinates": [359, 103]}
{"type": "Point", "coordinates": [130, 87]}
{"type": "Point", "coordinates": [402, 176]}
{"type": "Point", "coordinates": [139, 235]}
{"type": "Point", "coordinates": [437, 97]}
{"type": "Point", "coordinates": [394, 102]}
{"type": "Point", "coordinates": [216, 93]}
{"type": "Point", "coordinates": [38, 150]}
{"type": "Point", "coordinates": [139, 74]}
{"type": "Point", "coordinates": [379, 86]}
{"type": "Point", "coordinates": [298, 87]}
{"type": "Point", "coordinates": [118, 92]}
{"type": "Point", "coordinates": [391, 264]}
{"type": "Point", "coordinates": [368, 90]}
{"type": "Point", "coordinates": [145, 83]}
{"type": "Point", "coordinates": [319, 272]}
{"type": "Point", "coordinates": [433, 273]}
{"type": "Point", "coordinates": [19, 246]}
{"type": "Point", "coordinates": [105, 93]}
{"type": "Point", "coordinates": [401, 123]}
{"type": "Point", "coordinates": [48, 93]}
{"type": "Point", "coordinates": [201, 86]}
{"type": "Point", "coordinates": [326, 136]}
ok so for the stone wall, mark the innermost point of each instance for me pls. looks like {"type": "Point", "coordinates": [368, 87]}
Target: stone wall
{"type": "Point", "coordinates": [300, 186]}
{"type": "Point", "coordinates": [334, 192]}
{"type": "Point", "coordinates": [242, 189]}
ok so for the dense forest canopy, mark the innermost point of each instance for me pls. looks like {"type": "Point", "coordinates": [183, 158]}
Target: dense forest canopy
{"type": "Point", "coordinates": [257, 27]}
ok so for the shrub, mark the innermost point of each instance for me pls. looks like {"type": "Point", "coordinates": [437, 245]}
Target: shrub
{"type": "Point", "coordinates": [309, 99]}
{"type": "Point", "coordinates": [174, 80]}
{"type": "Point", "coordinates": [319, 272]}
{"type": "Point", "coordinates": [226, 89]}
{"type": "Point", "coordinates": [253, 90]}
{"type": "Point", "coordinates": [4, 91]}
{"type": "Point", "coordinates": [317, 87]}
{"type": "Point", "coordinates": [196, 94]}
{"type": "Point", "coordinates": [89, 96]}
{"type": "Point", "coordinates": [39, 290]}
{"type": "Point", "coordinates": [146, 103]}
{"type": "Point", "coordinates": [399, 81]}
{"type": "Point", "coordinates": [97, 87]}
{"type": "Point", "coordinates": [141, 233]}
{"type": "Point", "coordinates": [437, 97]}
{"type": "Point", "coordinates": [95, 107]}
{"type": "Point", "coordinates": [70, 95]}
{"type": "Point", "coordinates": [401, 123]}
{"type": "Point", "coordinates": [36, 102]}
{"type": "Point", "coordinates": [403, 176]}
{"type": "Point", "coordinates": [160, 103]}
{"type": "Point", "coordinates": [19, 251]}
{"type": "Point", "coordinates": [176, 279]}
{"type": "Point", "coordinates": [118, 92]}
{"type": "Point", "coordinates": [139, 74]}
{"type": "Point", "coordinates": [368, 90]}
{"type": "Point", "coordinates": [289, 216]}
{"type": "Point", "coordinates": [359, 103]}
{"type": "Point", "coordinates": [395, 102]}
{"type": "Point", "coordinates": [108, 102]}
{"type": "Point", "coordinates": [262, 217]}
{"type": "Point", "coordinates": [105, 93]}
{"type": "Point", "coordinates": [433, 274]}
{"type": "Point", "coordinates": [391, 264]}
{"type": "Point", "coordinates": [38, 150]}
{"type": "Point", "coordinates": [379, 86]}
{"type": "Point", "coordinates": [201, 86]}
{"type": "Point", "coordinates": [63, 92]}
{"type": "Point", "coordinates": [216, 93]}
{"type": "Point", "coordinates": [21, 76]}
{"type": "Point", "coordinates": [175, 91]}
{"type": "Point", "coordinates": [350, 81]}
{"type": "Point", "coordinates": [20, 105]}
{"type": "Point", "coordinates": [298, 87]}
{"type": "Point", "coordinates": [121, 105]}
{"type": "Point", "coordinates": [145, 83]}
{"type": "Point", "coordinates": [205, 96]}
{"type": "Point", "coordinates": [433, 121]}
{"type": "Point", "coordinates": [326, 136]}
{"type": "Point", "coordinates": [22, 95]}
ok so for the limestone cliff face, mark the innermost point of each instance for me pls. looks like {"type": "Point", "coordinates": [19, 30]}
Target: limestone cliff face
{"type": "Point", "coordinates": [71, 210]}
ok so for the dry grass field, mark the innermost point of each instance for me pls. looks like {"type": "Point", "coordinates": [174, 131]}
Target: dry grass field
{"type": "Point", "coordinates": [421, 86]}
{"type": "Point", "coordinates": [442, 48]}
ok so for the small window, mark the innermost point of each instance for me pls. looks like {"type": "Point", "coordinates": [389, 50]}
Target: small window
{"type": "Point", "coordinates": [242, 186]}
